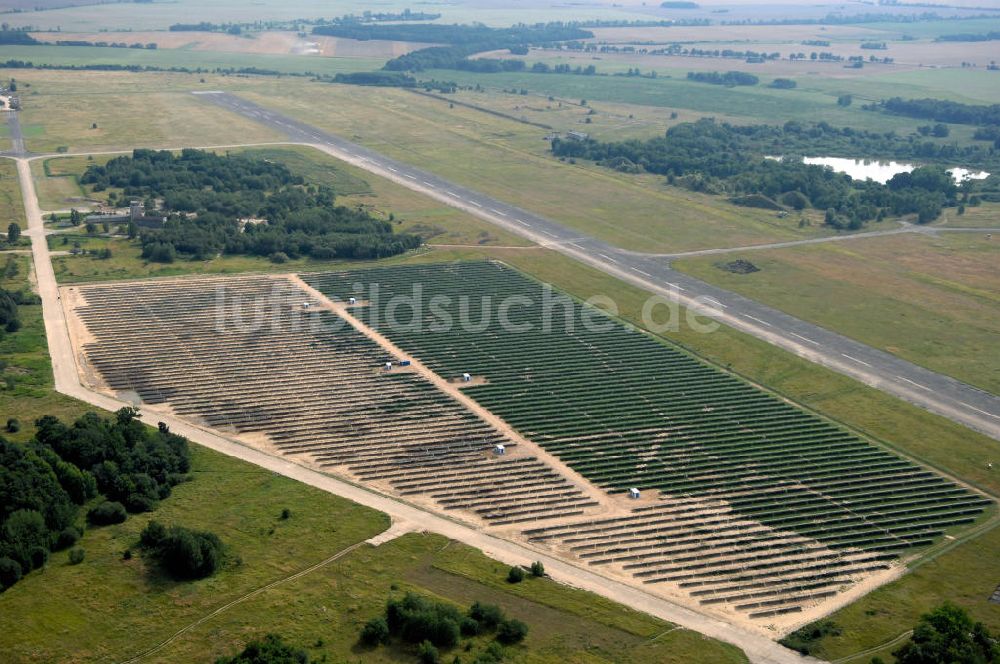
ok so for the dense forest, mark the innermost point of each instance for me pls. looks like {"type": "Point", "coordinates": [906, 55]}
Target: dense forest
{"type": "Point", "coordinates": [941, 110]}
{"type": "Point", "coordinates": [241, 205]}
{"type": "Point", "coordinates": [461, 42]}
{"type": "Point", "coordinates": [733, 160]}
{"type": "Point", "coordinates": [45, 483]}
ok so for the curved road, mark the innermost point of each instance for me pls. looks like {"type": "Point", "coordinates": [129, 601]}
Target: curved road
{"type": "Point", "coordinates": [930, 390]}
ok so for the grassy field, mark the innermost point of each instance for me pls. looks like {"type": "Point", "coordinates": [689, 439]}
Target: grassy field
{"type": "Point", "coordinates": [509, 160]}
{"type": "Point", "coordinates": [167, 58]}
{"type": "Point", "coordinates": [11, 208]}
{"type": "Point", "coordinates": [60, 110]}
{"type": "Point", "coordinates": [929, 299]}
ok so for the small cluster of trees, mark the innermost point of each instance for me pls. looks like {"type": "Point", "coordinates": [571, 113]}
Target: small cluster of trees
{"type": "Point", "coordinates": [732, 160]}
{"type": "Point", "coordinates": [10, 301]}
{"type": "Point", "coordinates": [45, 483]}
{"type": "Point", "coordinates": [269, 650]}
{"type": "Point", "coordinates": [183, 553]}
{"type": "Point", "coordinates": [945, 634]}
{"type": "Point", "coordinates": [387, 79]}
{"type": "Point", "coordinates": [729, 78]}
{"type": "Point", "coordinates": [206, 195]}
{"type": "Point", "coordinates": [417, 620]}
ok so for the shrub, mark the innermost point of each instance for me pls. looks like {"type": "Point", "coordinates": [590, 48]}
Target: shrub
{"type": "Point", "coordinates": [468, 626]}
{"type": "Point", "coordinates": [428, 654]}
{"type": "Point", "coordinates": [286, 514]}
{"type": "Point", "coordinates": [537, 569]}
{"type": "Point", "coordinates": [67, 537]}
{"type": "Point", "coordinates": [13, 425]}
{"type": "Point", "coordinates": [515, 575]}
{"type": "Point", "coordinates": [39, 556]}
{"type": "Point", "coordinates": [375, 632]}
{"type": "Point", "coordinates": [76, 556]}
{"type": "Point", "coordinates": [190, 554]}
{"type": "Point", "coordinates": [511, 631]}
{"type": "Point", "coordinates": [278, 257]}
{"type": "Point", "coordinates": [488, 616]}
{"type": "Point", "coordinates": [270, 650]}
{"type": "Point", "coordinates": [805, 638]}
{"type": "Point", "coordinates": [152, 535]}
{"type": "Point", "coordinates": [107, 513]}
{"type": "Point", "coordinates": [10, 573]}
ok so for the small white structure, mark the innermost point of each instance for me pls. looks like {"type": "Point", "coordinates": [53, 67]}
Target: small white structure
{"type": "Point", "coordinates": [305, 305]}
{"type": "Point", "coordinates": [500, 450]}
{"type": "Point", "coordinates": [633, 493]}
{"type": "Point", "coordinates": [352, 300]}
{"type": "Point", "coordinates": [466, 378]}
{"type": "Point", "coordinates": [388, 366]}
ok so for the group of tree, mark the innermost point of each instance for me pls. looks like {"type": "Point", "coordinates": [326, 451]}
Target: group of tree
{"type": "Point", "coordinates": [45, 483]}
{"type": "Point", "coordinates": [183, 553]}
{"type": "Point", "coordinates": [459, 42]}
{"type": "Point", "coordinates": [992, 35]}
{"type": "Point", "coordinates": [395, 79]}
{"type": "Point", "coordinates": [737, 161]}
{"type": "Point", "coordinates": [10, 315]}
{"type": "Point", "coordinates": [941, 110]}
{"type": "Point", "coordinates": [729, 78]}
{"type": "Point", "coordinates": [269, 650]}
{"type": "Point", "coordinates": [205, 196]}
{"type": "Point", "coordinates": [945, 634]}
{"type": "Point", "coordinates": [416, 620]}
{"type": "Point", "coordinates": [15, 37]}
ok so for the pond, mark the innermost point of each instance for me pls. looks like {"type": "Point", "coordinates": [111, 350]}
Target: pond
{"type": "Point", "coordinates": [882, 171]}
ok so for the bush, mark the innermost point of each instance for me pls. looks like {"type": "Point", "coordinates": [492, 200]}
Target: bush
{"type": "Point", "coordinates": [488, 616]}
{"type": "Point", "coordinates": [511, 631]}
{"type": "Point", "coordinates": [806, 638]}
{"type": "Point", "coordinates": [515, 575]}
{"type": "Point", "coordinates": [537, 569]}
{"type": "Point", "coordinates": [278, 257]}
{"type": "Point", "coordinates": [107, 513]}
{"type": "Point", "coordinates": [468, 626]}
{"type": "Point", "coordinates": [152, 535]}
{"type": "Point", "coordinates": [428, 654]}
{"type": "Point", "coordinates": [76, 556]}
{"type": "Point", "coordinates": [286, 514]}
{"type": "Point", "coordinates": [375, 632]}
{"type": "Point", "coordinates": [10, 573]}
{"type": "Point", "coordinates": [270, 650]}
{"type": "Point", "coordinates": [67, 537]}
{"type": "Point", "coordinates": [190, 554]}
{"type": "Point", "coordinates": [13, 425]}
{"type": "Point", "coordinates": [39, 555]}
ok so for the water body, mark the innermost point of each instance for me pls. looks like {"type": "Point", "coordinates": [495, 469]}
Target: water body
{"type": "Point", "coordinates": [882, 171]}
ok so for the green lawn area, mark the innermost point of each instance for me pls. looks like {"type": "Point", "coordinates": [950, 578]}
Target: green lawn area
{"type": "Point", "coordinates": [930, 300]}
{"type": "Point", "coordinates": [509, 160]}
{"type": "Point", "coordinates": [60, 109]}
{"type": "Point", "coordinates": [11, 207]}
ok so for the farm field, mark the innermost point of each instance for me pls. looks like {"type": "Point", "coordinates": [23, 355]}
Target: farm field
{"type": "Point", "coordinates": [929, 299]}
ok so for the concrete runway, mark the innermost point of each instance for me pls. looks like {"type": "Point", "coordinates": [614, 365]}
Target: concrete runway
{"type": "Point", "coordinates": [932, 391]}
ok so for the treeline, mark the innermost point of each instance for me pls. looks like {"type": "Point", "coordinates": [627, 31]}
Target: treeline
{"type": "Point", "coordinates": [462, 41]}
{"type": "Point", "coordinates": [242, 205]}
{"type": "Point", "coordinates": [970, 37]}
{"type": "Point", "coordinates": [103, 44]}
{"type": "Point", "coordinates": [45, 483]}
{"type": "Point", "coordinates": [228, 28]}
{"type": "Point", "coordinates": [377, 78]}
{"type": "Point", "coordinates": [851, 19]}
{"type": "Point", "coordinates": [941, 110]}
{"type": "Point", "coordinates": [729, 78]}
{"type": "Point", "coordinates": [225, 71]}
{"type": "Point", "coordinates": [456, 34]}
{"type": "Point", "coordinates": [16, 37]}
{"type": "Point", "coordinates": [731, 160]}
